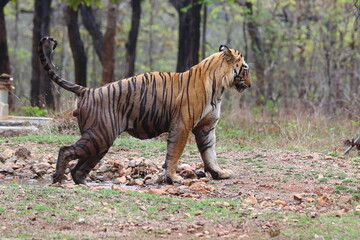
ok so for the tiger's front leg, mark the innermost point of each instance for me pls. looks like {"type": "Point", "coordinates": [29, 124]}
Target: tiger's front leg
{"type": "Point", "coordinates": [175, 146]}
{"type": "Point", "coordinates": [205, 140]}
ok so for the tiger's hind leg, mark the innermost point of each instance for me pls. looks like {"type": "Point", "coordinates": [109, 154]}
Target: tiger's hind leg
{"type": "Point", "coordinates": [88, 151]}
{"type": "Point", "coordinates": [66, 154]}
{"type": "Point", "coordinates": [83, 168]}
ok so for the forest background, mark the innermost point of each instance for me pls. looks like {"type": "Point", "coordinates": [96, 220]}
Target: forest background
{"type": "Point", "coordinates": [304, 55]}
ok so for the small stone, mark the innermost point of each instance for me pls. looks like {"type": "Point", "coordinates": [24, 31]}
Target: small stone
{"type": "Point", "coordinates": [115, 187]}
{"type": "Point", "coordinates": [157, 191]}
{"type": "Point", "coordinates": [121, 180]}
{"type": "Point", "coordinates": [226, 204]}
{"type": "Point", "coordinates": [310, 199]}
{"type": "Point", "coordinates": [201, 187]}
{"type": "Point", "coordinates": [298, 197]}
{"type": "Point", "coordinates": [250, 200]}
{"type": "Point", "coordinates": [7, 153]}
{"type": "Point", "coordinates": [346, 199]}
{"type": "Point", "coordinates": [357, 209]}
{"type": "Point", "coordinates": [200, 173]}
{"type": "Point", "coordinates": [324, 200]}
{"type": "Point", "coordinates": [23, 153]}
{"type": "Point", "coordinates": [185, 166]}
{"type": "Point", "coordinates": [186, 173]}
{"type": "Point", "coordinates": [280, 203]}
{"type": "Point", "coordinates": [314, 214]}
{"type": "Point", "coordinates": [40, 168]}
{"type": "Point", "coordinates": [136, 182]}
{"type": "Point", "coordinates": [265, 204]}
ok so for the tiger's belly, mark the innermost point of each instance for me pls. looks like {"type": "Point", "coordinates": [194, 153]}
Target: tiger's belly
{"type": "Point", "coordinates": [142, 134]}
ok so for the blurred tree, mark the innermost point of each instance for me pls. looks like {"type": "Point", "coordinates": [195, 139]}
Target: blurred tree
{"type": "Point", "coordinates": [4, 54]}
{"type": "Point", "coordinates": [132, 39]}
{"type": "Point", "coordinates": [90, 23]}
{"type": "Point", "coordinates": [4, 59]}
{"type": "Point", "coordinates": [109, 47]}
{"type": "Point", "coordinates": [41, 93]}
{"type": "Point", "coordinates": [189, 33]}
{"type": "Point", "coordinates": [77, 46]}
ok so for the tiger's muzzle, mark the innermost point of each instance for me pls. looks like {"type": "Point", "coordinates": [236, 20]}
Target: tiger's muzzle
{"type": "Point", "coordinates": [242, 80]}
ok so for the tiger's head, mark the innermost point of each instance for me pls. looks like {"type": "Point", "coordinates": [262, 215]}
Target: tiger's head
{"type": "Point", "coordinates": [240, 72]}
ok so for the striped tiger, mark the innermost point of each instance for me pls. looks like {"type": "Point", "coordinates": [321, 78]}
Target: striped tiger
{"type": "Point", "coordinates": [149, 104]}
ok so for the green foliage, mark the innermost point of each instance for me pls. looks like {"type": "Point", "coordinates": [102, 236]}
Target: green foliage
{"type": "Point", "coordinates": [355, 123]}
{"type": "Point", "coordinates": [75, 3]}
{"type": "Point", "coordinates": [34, 111]}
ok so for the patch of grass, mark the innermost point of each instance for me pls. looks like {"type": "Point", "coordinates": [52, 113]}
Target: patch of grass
{"type": "Point", "coordinates": [323, 180]}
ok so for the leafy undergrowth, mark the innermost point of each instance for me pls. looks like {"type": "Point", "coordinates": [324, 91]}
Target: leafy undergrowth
{"type": "Point", "coordinates": [282, 188]}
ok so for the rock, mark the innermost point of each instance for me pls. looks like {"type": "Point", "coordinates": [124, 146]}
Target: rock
{"type": "Point", "coordinates": [310, 199]}
{"type": "Point", "coordinates": [105, 168]}
{"type": "Point", "coordinates": [136, 182]}
{"type": "Point", "coordinates": [185, 166]}
{"type": "Point", "coordinates": [12, 159]}
{"type": "Point", "coordinates": [200, 173]}
{"type": "Point", "coordinates": [120, 180]}
{"type": "Point", "coordinates": [341, 164]}
{"type": "Point", "coordinates": [265, 204]}
{"type": "Point", "coordinates": [40, 168]}
{"type": "Point", "coordinates": [324, 200]}
{"type": "Point", "coordinates": [314, 214]}
{"type": "Point", "coordinates": [7, 168]}
{"type": "Point", "coordinates": [7, 153]}
{"type": "Point", "coordinates": [346, 199]}
{"type": "Point", "coordinates": [250, 200]}
{"type": "Point", "coordinates": [23, 153]}
{"type": "Point", "coordinates": [157, 191]}
{"type": "Point", "coordinates": [115, 187]}
{"type": "Point", "coordinates": [357, 209]}
{"type": "Point", "coordinates": [298, 197]}
{"type": "Point", "coordinates": [186, 173]}
{"type": "Point", "coordinates": [280, 203]}
{"type": "Point", "coordinates": [201, 187]}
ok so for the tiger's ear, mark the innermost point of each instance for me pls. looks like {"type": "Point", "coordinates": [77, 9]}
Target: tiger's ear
{"type": "Point", "coordinates": [226, 51]}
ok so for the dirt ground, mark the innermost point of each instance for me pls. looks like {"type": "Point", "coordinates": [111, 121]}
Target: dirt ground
{"type": "Point", "coordinates": [290, 181]}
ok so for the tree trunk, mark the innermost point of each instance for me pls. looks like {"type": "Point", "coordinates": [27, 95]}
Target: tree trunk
{"type": "Point", "coordinates": [93, 28]}
{"type": "Point", "coordinates": [257, 49]}
{"type": "Point", "coordinates": [204, 26]}
{"type": "Point", "coordinates": [189, 33]}
{"type": "Point", "coordinates": [4, 53]}
{"type": "Point", "coordinates": [77, 46]}
{"type": "Point", "coordinates": [41, 94]}
{"type": "Point", "coordinates": [133, 35]}
{"type": "Point", "coordinates": [4, 59]}
{"type": "Point", "coordinates": [109, 47]}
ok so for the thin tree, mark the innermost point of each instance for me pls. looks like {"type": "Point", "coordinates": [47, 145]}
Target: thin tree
{"type": "Point", "coordinates": [132, 39]}
{"type": "Point", "coordinates": [4, 53]}
{"type": "Point", "coordinates": [189, 32]}
{"type": "Point", "coordinates": [77, 46]}
{"type": "Point", "coordinates": [93, 27]}
{"type": "Point", "coordinates": [109, 47]}
{"type": "Point", "coordinates": [41, 93]}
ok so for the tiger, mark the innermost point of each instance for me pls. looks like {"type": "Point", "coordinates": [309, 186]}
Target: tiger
{"type": "Point", "coordinates": [147, 105]}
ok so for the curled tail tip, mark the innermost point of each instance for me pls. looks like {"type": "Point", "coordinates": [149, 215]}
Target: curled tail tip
{"type": "Point", "coordinates": [48, 38]}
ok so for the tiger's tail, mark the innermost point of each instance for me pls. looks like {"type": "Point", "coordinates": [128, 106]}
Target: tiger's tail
{"type": "Point", "coordinates": [72, 87]}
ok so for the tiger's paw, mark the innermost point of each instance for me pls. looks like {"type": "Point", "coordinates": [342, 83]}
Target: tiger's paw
{"type": "Point", "coordinates": [57, 178]}
{"type": "Point", "coordinates": [174, 179]}
{"type": "Point", "coordinates": [222, 174]}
